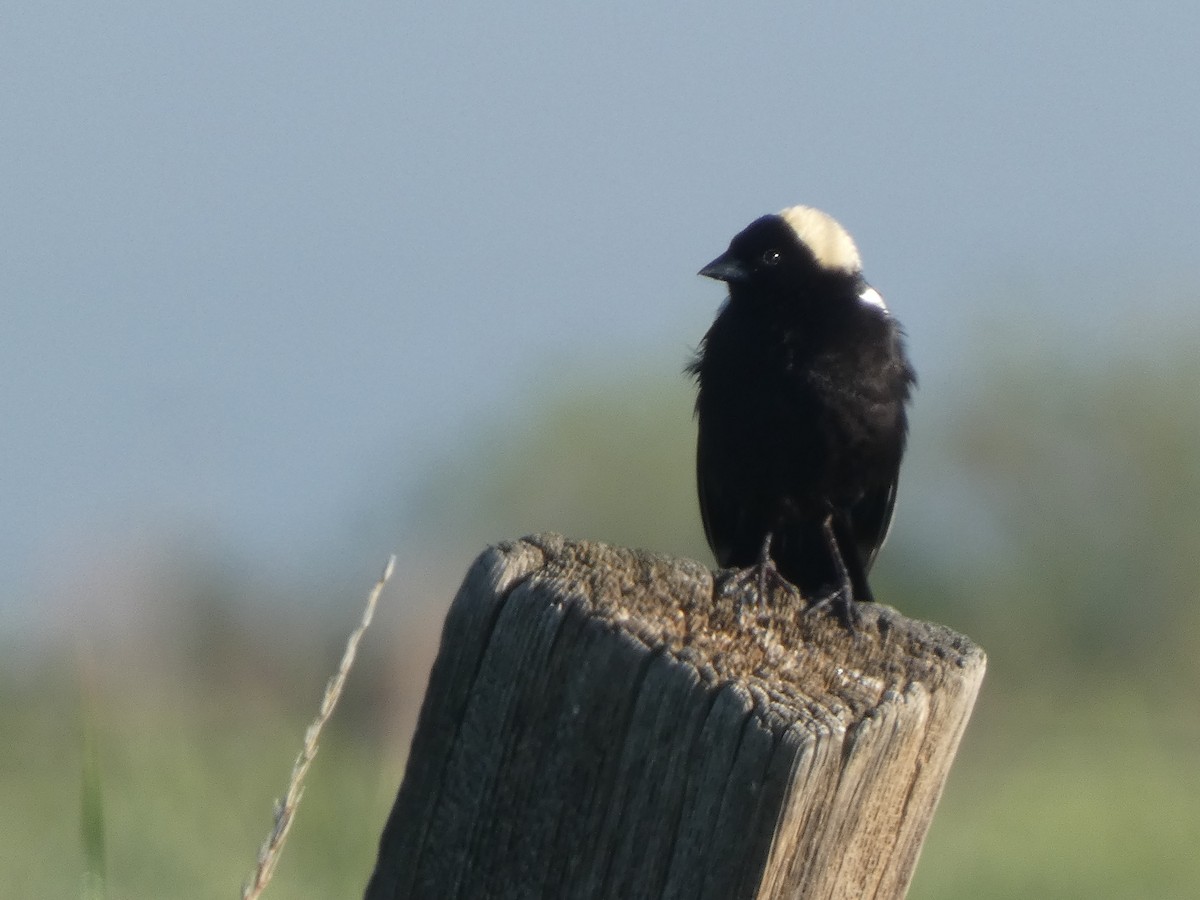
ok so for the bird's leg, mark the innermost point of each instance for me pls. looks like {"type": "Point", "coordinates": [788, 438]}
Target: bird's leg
{"type": "Point", "coordinates": [765, 565]}
{"type": "Point", "coordinates": [844, 595]}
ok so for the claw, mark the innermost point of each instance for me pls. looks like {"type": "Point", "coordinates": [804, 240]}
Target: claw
{"type": "Point", "coordinates": [842, 601]}
{"type": "Point", "coordinates": [761, 572]}
{"type": "Point", "coordinates": [759, 575]}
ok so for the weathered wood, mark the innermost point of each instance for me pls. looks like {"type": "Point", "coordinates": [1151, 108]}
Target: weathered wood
{"type": "Point", "coordinates": [602, 722]}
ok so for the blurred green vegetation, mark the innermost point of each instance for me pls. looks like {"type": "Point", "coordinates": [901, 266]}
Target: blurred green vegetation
{"type": "Point", "coordinates": [1050, 510]}
{"type": "Point", "coordinates": [188, 768]}
{"type": "Point", "coordinates": [610, 459]}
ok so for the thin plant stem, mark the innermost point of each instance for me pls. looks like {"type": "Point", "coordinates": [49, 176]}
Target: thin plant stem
{"type": "Point", "coordinates": [285, 809]}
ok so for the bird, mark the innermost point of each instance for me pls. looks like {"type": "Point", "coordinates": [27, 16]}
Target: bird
{"type": "Point", "coordinates": [803, 386]}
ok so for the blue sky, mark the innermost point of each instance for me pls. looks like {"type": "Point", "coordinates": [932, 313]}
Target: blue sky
{"type": "Point", "coordinates": [259, 258]}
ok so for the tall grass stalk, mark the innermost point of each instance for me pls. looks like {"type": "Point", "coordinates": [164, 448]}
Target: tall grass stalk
{"type": "Point", "coordinates": [285, 809]}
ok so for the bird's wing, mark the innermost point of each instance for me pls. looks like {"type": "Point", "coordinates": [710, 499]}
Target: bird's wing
{"type": "Point", "coordinates": [872, 518]}
{"type": "Point", "coordinates": [718, 509]}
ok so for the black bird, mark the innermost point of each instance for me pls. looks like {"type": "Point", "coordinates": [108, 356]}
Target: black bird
{"type": "Point", "coordinates": [802, 386]}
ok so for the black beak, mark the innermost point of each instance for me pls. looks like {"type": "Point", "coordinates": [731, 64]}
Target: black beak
{"type": "Point", "coordinates": [725, 268]}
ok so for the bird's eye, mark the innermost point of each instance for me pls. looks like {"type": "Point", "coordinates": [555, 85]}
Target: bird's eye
{"type": "Point", "coordinates": [771, 257]}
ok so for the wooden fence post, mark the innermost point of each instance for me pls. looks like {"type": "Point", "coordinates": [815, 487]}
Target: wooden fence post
{"type": "Point", "coordinates": [606, 723]}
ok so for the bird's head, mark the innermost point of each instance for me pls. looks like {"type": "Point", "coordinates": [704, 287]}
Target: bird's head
{"type": "Point", "coordinates": [787, 251]}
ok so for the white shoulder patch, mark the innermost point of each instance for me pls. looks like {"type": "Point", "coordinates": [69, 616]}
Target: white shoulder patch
{"type": "Point", "coordinates": [831, 245]}
{"type": "Point", "coordinates": [872, 297]}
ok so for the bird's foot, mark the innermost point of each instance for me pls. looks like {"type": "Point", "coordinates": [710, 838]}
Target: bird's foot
{"type": "Point", "coordinates": [841, 602]}
{"type": "Point", "coordinates": [758, 577]}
